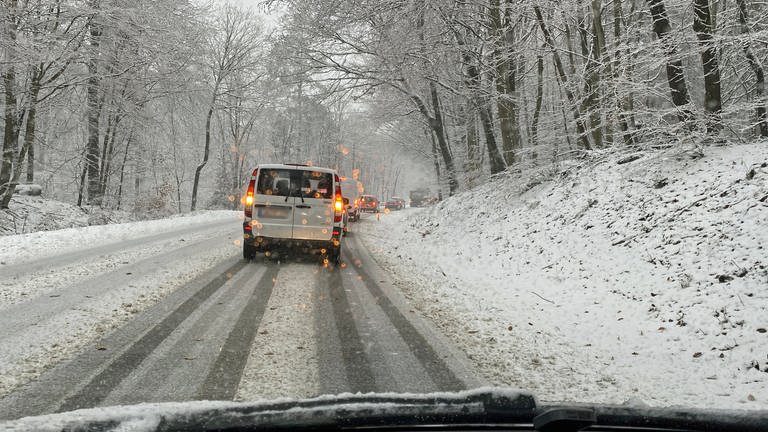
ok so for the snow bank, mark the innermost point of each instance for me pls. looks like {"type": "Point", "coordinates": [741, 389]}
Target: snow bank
{"type": "Point", "coordinates": [617, 278]}
{"type": "Point", "coordinates": [34, 213]}
{"type": "Point", "coordinates": [40, 244]}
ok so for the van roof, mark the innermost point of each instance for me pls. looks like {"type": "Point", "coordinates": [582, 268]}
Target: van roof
{"type": "Point", "coordinates": [296, 167]}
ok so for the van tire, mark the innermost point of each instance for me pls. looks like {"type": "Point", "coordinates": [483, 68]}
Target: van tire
{"type": "Point", "coordinates": [249, 252]}
{"type": "Point", "coordinates": [334, 256]}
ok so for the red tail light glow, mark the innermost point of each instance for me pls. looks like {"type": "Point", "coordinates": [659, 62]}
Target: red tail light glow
{"type": "Point", "coordinates": [249, 198]}
{"type": "Point", "coordinates": [338, 205]}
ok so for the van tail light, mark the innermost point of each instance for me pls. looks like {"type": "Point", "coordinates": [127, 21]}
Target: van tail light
{"type": "Point", "coordinates": [338, 204]}
{"type": "Point", "coordinates": [249, 198]}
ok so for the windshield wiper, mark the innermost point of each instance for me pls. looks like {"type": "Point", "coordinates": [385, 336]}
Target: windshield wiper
{"type": "Point", "coordinates": [290, 194]}
{"type": "Point", "coordinates": [480, 409]}
{"type": "Point", "coordinates": [445, 411]}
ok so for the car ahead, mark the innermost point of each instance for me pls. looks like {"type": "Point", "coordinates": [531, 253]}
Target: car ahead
{"type": "Point", "coordinates": [351, 190]}
{"type": "Point", "coordinates": [293, 206]}
{"type": "Point", "coordinates": [420, 197]}
{"type": "Point", "coordinates": [395, 203]}
{"type": "Point", "coordinates": [369, 204]}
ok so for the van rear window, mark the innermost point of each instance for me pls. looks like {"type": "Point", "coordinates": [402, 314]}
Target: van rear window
{"type": "Point", "coordinates": [274, 182]}
{"type": "Point", "coordinates": [316, 184]}
{"type": "Point", "coordinates": [297, 183]}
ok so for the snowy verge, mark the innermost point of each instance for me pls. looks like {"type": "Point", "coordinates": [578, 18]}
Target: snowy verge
{"type": "Point", "coordinates": [611, 279]}
{"type": "Point", "coordinates": [85, 299]}
{"type": "Point", "coordinates": [22, 247]}
{"type": "Point", "coordinates": [28, 214]}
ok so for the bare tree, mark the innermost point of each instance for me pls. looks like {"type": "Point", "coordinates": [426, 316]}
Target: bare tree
{"type": "Point", "coordinates": [675, 73]}
{"type": "Point", "coordinates": [234, 47]}
{"type": "Point", "coordinates": [702, 26]}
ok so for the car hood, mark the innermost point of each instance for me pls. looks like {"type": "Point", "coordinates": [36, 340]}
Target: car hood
{"type": "Point", "coordinates": [485, 406]}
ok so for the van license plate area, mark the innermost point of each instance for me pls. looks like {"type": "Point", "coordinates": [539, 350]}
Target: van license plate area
{"type": "Point", "coordinates": [273, 212]}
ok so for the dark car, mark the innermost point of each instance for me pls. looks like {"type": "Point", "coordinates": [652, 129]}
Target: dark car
{"type": "Point", "coordinates": [395, 203]}
{"type": "Point", "coordinates": [369, 204]}
{"type": "Point", "coordinates": [420, 197]}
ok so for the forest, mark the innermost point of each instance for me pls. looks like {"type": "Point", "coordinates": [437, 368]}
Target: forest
{"type": "Point", "coordinates": [163, 107]}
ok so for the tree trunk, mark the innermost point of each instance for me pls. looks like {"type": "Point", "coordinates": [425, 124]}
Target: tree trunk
{"type": "Point", "coordinates": [436, 161]}
{"type": "Point", "coordinates": [486, 120]}
{"type": "Point", "coordinates": [621, 102]}
{"type": "Point", "coordinates": [472, 81]}
{"type": "Point", "coordinates": [702, 25]}
{"type": "Point", "coordinates": [81, 189]}
{"type": "Point", "coordinates": [445, 150]}
{"type": "Point", "coordinates": [539, 100]}
{"type": "Point", "coordinates": [757, 69]}
{"type": "Point", "coordinates": [92, 156]}
{"type": "Point", "coordinates": [590, 105]}
{"type": "Point", "coordinates": [108, 154]}
{"type": "Point", "coordinates": [505, 85]}
{"type": "Point", "coordinates": [206, 152]}
{"type": "Point", "coordinates": [31, 129]}
{"type": "Point", "coordinates": [583, 141]}
{"type": "Point", "coordinates": [9, 133]}
{"type": "Point", "coordinates": [9, 136]}
{"type": "Point", "coordinates": [675, 74]}
{"type": "Point", "coordinates": [122, 171]}
{"type": "Point", "coordinates": [568, 44]}
{"type": "Point", "coordinates": [604, 68]}
{"type": "Point", "coordinates": [29, 137]}
{"type": "Point", "coordinates": [31, 161]}
{"type": "Point", "coordinates": [473, 144]}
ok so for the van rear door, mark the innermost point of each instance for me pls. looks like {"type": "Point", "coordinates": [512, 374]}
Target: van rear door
{"type": "Point", "coordinates": [273, 203]}
{"type": "Point", "coordinates": [313, 217]}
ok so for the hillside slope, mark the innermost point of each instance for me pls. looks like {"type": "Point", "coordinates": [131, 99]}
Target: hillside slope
{"type": "Point", "coordinates": [612, 279]}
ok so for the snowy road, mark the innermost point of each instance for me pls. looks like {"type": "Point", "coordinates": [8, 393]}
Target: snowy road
{"type": "Point", "coordinates": [157, 319]}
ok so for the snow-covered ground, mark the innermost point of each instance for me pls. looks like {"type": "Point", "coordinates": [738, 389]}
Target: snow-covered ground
{"type": "Point", "coordinates": [40, 244]}
{"type": "Point", "coordinates": [36, 213]}
{"type": "Point", "coordinates": [60, 290]}
{"type": "Point", "coordinates": [601, 281]}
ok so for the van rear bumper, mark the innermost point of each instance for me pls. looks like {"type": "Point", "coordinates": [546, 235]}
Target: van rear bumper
{"type": "Point", "coordinates": [262, 244]}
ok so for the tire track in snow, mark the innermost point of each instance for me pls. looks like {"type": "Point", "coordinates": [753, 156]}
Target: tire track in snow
{"type": "Point", "coordinates": [66, 379]}
{"type": "Point", "coordinates": [36, 311]}
{"type": "Point", "coordinates": [176, 369]}
{"type": "Point", "coordinates": [36, 339]}
{"type": "Point", "coordinates": [110, 377]}
{"type": "Point", "coordinates": [344, 365]}
{"type": "Point", "coordinates": [445, 365]}
{"type": "Point", "coordinates": [224, 377]}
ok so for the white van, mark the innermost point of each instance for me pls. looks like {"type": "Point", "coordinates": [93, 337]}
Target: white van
{"type": "Point", "coordinates": [294, 206]}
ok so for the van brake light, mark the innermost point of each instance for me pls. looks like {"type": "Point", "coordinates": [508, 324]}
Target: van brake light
{"type": "Point", "coordinates": [249, 199]}
{"type": "Point", "coordinates": [338, 204]}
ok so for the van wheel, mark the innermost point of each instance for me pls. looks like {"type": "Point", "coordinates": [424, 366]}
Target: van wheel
{"type": "Point", "coordinates": [249, 252]}
{"type": "Point", "coordinates": [334, 255]}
